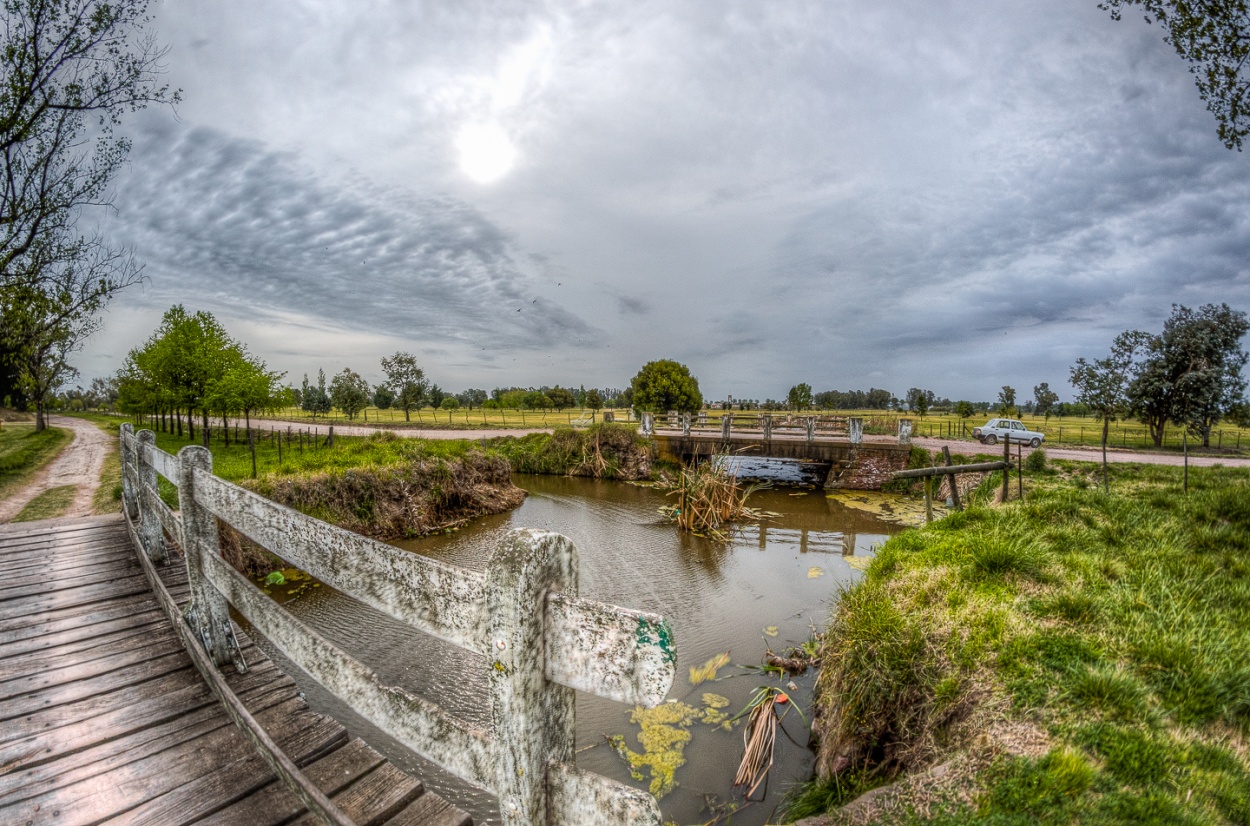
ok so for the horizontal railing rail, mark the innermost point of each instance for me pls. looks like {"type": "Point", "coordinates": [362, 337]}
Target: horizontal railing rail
{"type": "Point", "coordinates": [524, 615]}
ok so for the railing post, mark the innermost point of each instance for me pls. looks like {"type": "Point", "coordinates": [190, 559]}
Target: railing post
{"type": "Point", "coordinates": [648, 424]}
{"type": "Point", "coordinates": [811, 430]}
{"type": "Point", "coordinates": [150, 531]}
{"type": "Point", "coordinates": [685, 424]}
{"type": "Point", "coordinates": [129, 495]}
{"type": "Point", "coordinates": [533, 717]}
{"type": "Point", "coordinates": [768, 426]}
{"type": "Point", "coordinates": [855, 430]}
{"type": "Point", "coordinates": [726, 425]}
{"type": "Point", "coordinates": [904, 431]}
{"type": "Point", "coordinates": [208, 613]}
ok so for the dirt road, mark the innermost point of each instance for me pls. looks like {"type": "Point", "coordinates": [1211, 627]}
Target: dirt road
{"type": "Point", "coordinates": [79, 464]}
{"type": "Point", "coordinates": [1089, 454]}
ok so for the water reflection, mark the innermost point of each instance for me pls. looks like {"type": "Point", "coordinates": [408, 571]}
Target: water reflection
{"type": "Point", "coordinates": [718, 596]}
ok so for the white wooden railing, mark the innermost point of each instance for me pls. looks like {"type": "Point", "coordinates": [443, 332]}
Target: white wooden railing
{"type": "Point", "coordinates": [540, 638]}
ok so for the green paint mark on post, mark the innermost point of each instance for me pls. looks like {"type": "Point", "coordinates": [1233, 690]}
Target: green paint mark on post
{"type": "Point", "coordinates": [660, 634]}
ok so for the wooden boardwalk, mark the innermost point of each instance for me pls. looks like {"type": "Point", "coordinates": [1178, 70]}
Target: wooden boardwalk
{"type": "Point", "coordinates": [104, 719]}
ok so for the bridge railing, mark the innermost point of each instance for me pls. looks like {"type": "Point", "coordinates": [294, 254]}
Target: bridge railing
{"type": "Point", "coordinates": [523, 614]}
{"type": "Point", "coordinates": [759, 425]}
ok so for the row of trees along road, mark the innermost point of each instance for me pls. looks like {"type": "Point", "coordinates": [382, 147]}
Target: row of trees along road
{"type": "Point", "coordinates": [191, 365]}
{"type": "Point", "coordinates": [1188, 376]}
{"type": "Point", "coordinates": [70, 69]}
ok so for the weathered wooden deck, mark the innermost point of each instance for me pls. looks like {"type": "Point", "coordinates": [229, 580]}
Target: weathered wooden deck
{"type": "Point", "coordinates": [103, 717]}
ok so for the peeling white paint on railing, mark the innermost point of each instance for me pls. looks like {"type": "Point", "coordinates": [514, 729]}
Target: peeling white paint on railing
{"type": "Point", "coordinates": [541, 639]}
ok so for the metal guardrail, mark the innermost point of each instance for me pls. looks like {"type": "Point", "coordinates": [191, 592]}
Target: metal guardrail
{"type": "Point", "coordinates": [542, 640]}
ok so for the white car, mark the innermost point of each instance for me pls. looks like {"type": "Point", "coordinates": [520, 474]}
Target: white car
{"type": "Point", "coordinates": [1008, 429]}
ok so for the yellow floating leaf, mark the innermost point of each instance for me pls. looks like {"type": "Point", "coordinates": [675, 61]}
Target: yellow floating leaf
{"type": "Point", "coordinates": [772, 630]}
{"type": "Point", "coordinates": [859, 563]}
{"type": "Point", "coordinates": [814, 572]}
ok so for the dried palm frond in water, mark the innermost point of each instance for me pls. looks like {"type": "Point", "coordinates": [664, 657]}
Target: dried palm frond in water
{"type": "Point", "coordinates": [759, 737]}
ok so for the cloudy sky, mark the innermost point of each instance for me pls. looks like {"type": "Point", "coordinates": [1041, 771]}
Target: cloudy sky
{"type": "Point", "coordinates": [951, 195]}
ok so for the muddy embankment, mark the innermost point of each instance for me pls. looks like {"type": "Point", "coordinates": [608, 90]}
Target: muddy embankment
{"type": "Point", "coordinates": [401, 501]}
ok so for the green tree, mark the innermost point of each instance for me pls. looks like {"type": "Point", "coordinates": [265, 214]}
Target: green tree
{"type": "Point", "coordinates": [665, 385]}
{"type": "Point", "coordinates": [594, 400]}
{"type": "Point", "coordinates": [1007, 400]}
{"type": "Point", "coordinates": [800, 397]}
{"type": "Point", "coordinates": [383, 398]}
{"type": "Point", "coordinates": [407, 381]}
{"type": "Point", "coordinates": [472, 398]}
{"type": "Point", "coordinates": [349, 392]}
{"type": "Point", "coordinates": [536, 400]}
{"type": "Point", "coordinates": [1103, 385]}
{"type": "Point", "coordinates": [964, 409]}
{"type": "Point", "coordinates": [436, 395]}
{"type": "Point", "coordinates": [561, 398]}
{"type": "Point", "coordinates": [1213, 37]}
{"type": "Point", "coordinates": [1044, 400]}
{"type": "Point", "coordinates": [1191, 373]}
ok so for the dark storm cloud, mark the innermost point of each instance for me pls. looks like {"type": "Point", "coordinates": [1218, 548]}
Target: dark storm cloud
{"type": "Point", "coordinates": [240, 227]}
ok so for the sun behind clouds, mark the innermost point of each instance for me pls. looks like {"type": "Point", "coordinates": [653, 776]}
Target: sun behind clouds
{"type": "Point", "coordinates": [486, 152]}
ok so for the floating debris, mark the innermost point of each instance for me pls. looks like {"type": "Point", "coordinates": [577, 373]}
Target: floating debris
{"type": "Point", "coordinates": [708, 670]}
{"type": "Point", "coordinates": [712, 711]}
{"type": "Point", "coordinates": [815, 572]}
{"type": "Point", "coordinates": [889, 507]}
{"type": "Point", "coordinates": [663, 736]}
{"type": "Point", "coordinates": [771, 630]}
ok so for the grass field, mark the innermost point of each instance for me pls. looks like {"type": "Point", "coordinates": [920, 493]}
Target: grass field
{"type": "Point", "coordinates": [463, 419]}
{"type": "Point", "coordinates": [1073, 658]}
{"type": "Point", "coordinates": [48, 505]}
{"type": "Point", "coordinates": [23, 452]}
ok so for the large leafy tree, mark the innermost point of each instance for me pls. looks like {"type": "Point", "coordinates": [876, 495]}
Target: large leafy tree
{"type": "Point", "coordinates": [800, 396]}
{"type": "Point", "coordinates": [349, 392]}
{"type": "Point", "coordinates": [665, 385]}
{"type": "Point", "coordinates": [407, 381]}
{"type": "Point", "coordinates": [1044, 399]}
{"type": "Point", "coordinates": [1191, 374]}
{"type": "Point", "coordinates": [1103, 385]}
{"type": "Point", "coordinates": [1213, 36]}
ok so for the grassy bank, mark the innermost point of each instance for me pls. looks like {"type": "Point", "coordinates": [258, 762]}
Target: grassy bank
{"type": "Point", "coordinates": [23, 452]}
{"type": "Point", "coordinates": [602, 451]}
{"type": "Point", "coordinates": [1073, 658]}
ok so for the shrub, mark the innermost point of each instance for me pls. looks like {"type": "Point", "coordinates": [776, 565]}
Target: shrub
{"type": "Point", "coordinates": [1035, 462]}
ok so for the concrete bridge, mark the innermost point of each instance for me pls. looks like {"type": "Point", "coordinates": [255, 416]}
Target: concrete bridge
{"type": "Point", "coordinates": [128, 695]}
{"type": "Point", "coordinates": [834, 442]}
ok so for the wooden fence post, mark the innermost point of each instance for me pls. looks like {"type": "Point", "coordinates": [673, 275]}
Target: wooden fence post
{"type": "Point", "coordinates": [951, 480]}
{"type": "Point", "coordinates": [532, 716]}
{"type": "Point", "coordinates": [855, 430]}
{"type": "Point", "coordinates": [208, 613]}
{"type": "Point", "coordinates": [726, 425]}
{"type": "Point", "coordinates": [130, 499]}
{"type": "Point", "coordinates": [904, 431]}
{"type": "Point", "coordinates": [150, 532]}
{"type": "Point", "coordinates": [811, 429]}
{"type": "Point", "coordinates": [1006, 470]}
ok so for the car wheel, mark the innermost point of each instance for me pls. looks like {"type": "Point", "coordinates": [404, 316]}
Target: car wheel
{"type": "Point", "coordinates": [991, 439]}
{"type": "Point", "coordinates": [1036, 442]}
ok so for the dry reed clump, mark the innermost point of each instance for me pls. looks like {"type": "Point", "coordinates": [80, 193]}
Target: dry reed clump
{"type": "Point", "coordinates": [708, 500]}
{"type": "Point", "coordinates": [390, 502]}
{"type": "Point", "coordinates": [602, 451]}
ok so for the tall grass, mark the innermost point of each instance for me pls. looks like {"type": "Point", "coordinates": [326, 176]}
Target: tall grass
{"type": "Point", "coordinates": [1114, 626]}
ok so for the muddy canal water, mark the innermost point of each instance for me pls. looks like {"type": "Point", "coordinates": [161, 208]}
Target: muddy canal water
{"type": "Point", "coordinates": [768, 587]}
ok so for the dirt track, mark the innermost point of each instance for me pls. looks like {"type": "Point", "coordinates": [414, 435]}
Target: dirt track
{"type": "Point", "coordinates": [79, 464]}
{"type": "Point", "coordinates": [1090, 454]}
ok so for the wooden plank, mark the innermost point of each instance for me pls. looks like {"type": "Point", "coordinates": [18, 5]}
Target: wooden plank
{"type": "Point", "coordinates": [60, 543]}
{"type": "Point", "coordinates": [23, 666]}
{"type": "Point", "coordinates": [38, 604]}
{"type": "Point", "coordinates": [442, 600]}
{"type": "Point", "coordinates": [89, 551]}
{"type": "Point", "coordinates": [275, 803]}
{"type": "Point", "coordinates": [109, 714]}
{"type": "Point", "coordinates": [53, 579]}
{"type": "Point", "coordinates": [231, 776]}
{"type": "Point", "coordinates": [306, 736]}
{"type": "Point", "coordinates": [430, 810]}
{"type": "Point", "coordinates": [414, 721]}
{"type": "Point", "coordinates": [20, 784]}
{"type": "Point", "coordinates": [15, 531]}
{"type": "Point", "coordinates": [84, 628]}
{"type": "Point", "coordinates": [78, 677]}
{"type": "Point", "coordinates": [62, 621]}
{"type": "Point", "coordinates": [40, 658]}
{"type": "Point", "coordinates": [374, 798]}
